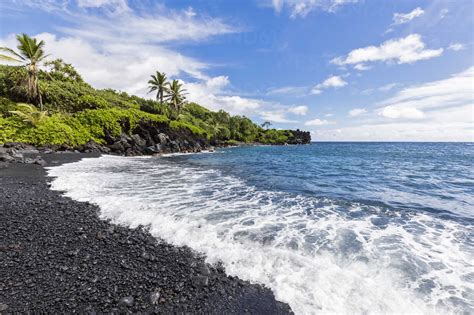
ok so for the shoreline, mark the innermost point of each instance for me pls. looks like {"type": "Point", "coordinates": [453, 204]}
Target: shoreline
{"type": "Point", "coordinates": [57, 255]}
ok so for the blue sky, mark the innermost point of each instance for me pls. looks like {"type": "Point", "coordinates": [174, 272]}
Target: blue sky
{"type": "Point", "coordinates": [343, 69]}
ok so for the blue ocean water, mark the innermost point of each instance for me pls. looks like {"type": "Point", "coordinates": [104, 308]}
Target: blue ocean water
{"type": "Point", "coordinates": [360, 228]}
{"type": "Point", "coordinates": [437, 177]}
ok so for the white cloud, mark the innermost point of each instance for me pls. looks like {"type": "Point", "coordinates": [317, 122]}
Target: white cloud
{"type": "Point", "coordinates": [357, 112]}
{"type": "Point", "coordinates": [298, 110]}
{"type": "Point", "coordinates": [108, 56]}
{"type": "Point", "coordinates": [402, 18]}
{"type": "Point", "coordinates": [441, 110]}
{"type": "Point", "coordinates": [456, 46]}
{"type": "Point", "coordinates": [275, 116]}
{"type": "Point", "coordinates": [362, 67]}
{"type": "Point", "coordinates": [446, 102]}
{"type": "Point", "coordinates": [388, 87]}
{"type": "Point", "coordinates": [331, 82]}
{"type": "Point", "coordinates": [119, 5]}
{"type": "Point", "coordinates": [279, 114]}
{"type": "Point", "coordinates": [451, 92]}
{"type": "Point", "coordinates": [403, 50]}
{"type": "Point", "coordinates": [289, 90]}
{"type": "Point", "coordinates": [329, 115]}
{"type": "Point", "coordinates": [445, 125]}
{"type": "Point", "coordinates": [121, 49]}
{"type": "Point", "coordinates": [384, 88]}
{"type": "Point", "coordinates": [146, 28]}
{"type": "Point", "coordinates": [318, 122]}
{"type": "Point", "coordinates": [117, 66]}
{"type": "Point", "coordinates": [395, 112]}
{"type": "Point", "coordinates": [301, 8]}
{"type": "Point", "coordinates": [211, 93]}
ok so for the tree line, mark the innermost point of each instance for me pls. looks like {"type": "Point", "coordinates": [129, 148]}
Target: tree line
{"type": "Point", "coordinates": [62, 95]}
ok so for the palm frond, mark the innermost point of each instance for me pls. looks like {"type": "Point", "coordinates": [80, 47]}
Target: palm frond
{"type": "Point", "coordinates": [11, 51]}
{"type": "Point", "coordinates": [29, 114]}
{"type": "Point", "coordinates": [8, 58]}
{"type": "Point", "coordinates": [43, 57]}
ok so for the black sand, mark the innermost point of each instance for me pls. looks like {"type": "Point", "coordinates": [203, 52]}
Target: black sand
{"type": "Point", "coordinates": [57, 256]}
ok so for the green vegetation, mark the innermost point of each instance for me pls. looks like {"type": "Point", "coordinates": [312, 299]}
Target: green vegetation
{"type": "Point", "coordinates": [72, 112]}
{"type": "Point", "coordinates": [30, 54]}
{"type": "Point", "coordinates": [158, 83]}
{"type": "Point", "coordinates": [30, 114]}
{"type": "Point", "coordinates": [175, 96]}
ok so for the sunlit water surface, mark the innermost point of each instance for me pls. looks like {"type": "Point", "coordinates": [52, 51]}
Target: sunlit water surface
{"type": "Point", "coordinates": [329, 227]}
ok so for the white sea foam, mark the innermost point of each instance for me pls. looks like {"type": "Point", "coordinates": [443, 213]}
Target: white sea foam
{"type": "Point", "coordinates": [318, 255]}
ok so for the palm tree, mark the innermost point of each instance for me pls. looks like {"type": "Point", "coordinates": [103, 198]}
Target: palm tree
{"type": "Point", "coordinates": [30, 54]}
{"type": "Point", "coordinates": [29, 114]}
{"type": "Point", "coordinates": [266, 124]}
{"type": "Point", "coordinates": [176, 95]}
{"type": "Point", "coordinates": [158, 83]}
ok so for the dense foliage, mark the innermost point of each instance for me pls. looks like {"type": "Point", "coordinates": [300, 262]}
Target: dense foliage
{"type": "Point", "coordinates": [77, 113]}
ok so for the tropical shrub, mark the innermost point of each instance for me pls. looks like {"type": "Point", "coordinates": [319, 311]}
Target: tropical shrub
{"type": "Point", "coordinates": [9, 128]}
{"type": "Point", "coordinates": [55, 130]}
{"type": "Point", "coordinates": [92, 102]}
{"type": "Point", "coordinates": [183, 125]}
{"type": "Point", "coordinates": [6, 105]}
{"type": "Point", "coordinates": [61, 71]}
{"type": "Point", "coordinates": [273, 136]}
{"type": "Point", "coordinates": [113, 121]}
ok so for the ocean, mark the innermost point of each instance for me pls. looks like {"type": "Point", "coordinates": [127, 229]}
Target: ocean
{"type": "Point", "coordinates": [360, 228]}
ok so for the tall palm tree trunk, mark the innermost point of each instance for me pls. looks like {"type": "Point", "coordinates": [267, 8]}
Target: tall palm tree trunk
{"type": "Point", "coordinates": [34, 94]}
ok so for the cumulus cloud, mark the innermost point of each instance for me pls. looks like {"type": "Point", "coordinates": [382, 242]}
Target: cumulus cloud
{"type": "Point", "coordinates": [413, 101]}
{"type": "Point", "coordinates": [440, 110]}
{"type": "Point", "coordinates": [280, 113]}
{"type": "Point", "coordinates": [403, 50]}
{"type": "Point", "coordinates": [357, 112]}
{"type": "Point", "coordinates": [298, 110]}
{"type": "Point", "coordinates": [120, 49]}
{"type": "Point", "coordinates": [117, 66]}
{"type": "Point", "coordinates": [445, 125]}
{"type": "Point", "coordinates": [331, 82]}
{"type": "Point", "coordinates": [275, 116]}
{"type": "Point", "coordinates": [395, 112]}
{"type": "Point", "coordinates": [402, 18]}
{"type": "Point", "coordinates": [301, 8]}
{"type": "Point", "coordinates": [317, 122]}
{"type": "Point", "coordinates": [456, 46]}
{"type": "Point", "coordinates": [212, 94]}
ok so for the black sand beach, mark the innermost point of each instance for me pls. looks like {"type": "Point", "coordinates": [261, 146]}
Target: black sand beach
{"type": "Point", "coordinates": [57, 256]}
